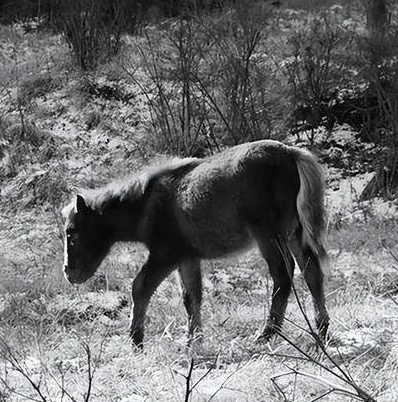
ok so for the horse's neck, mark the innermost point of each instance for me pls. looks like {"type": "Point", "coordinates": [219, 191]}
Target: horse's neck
{"type": "Point", "coordinates": [122, 219]}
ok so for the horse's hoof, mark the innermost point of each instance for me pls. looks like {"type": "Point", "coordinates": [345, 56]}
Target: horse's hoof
{"type": "Point", "coordinates": [323, 332]}
{"type": "Point", "coordinates": [266, 335]}
{"type": "Point", "coordinates": [195, 339]}
{"type": "Point", "coordinates": [137, 338]}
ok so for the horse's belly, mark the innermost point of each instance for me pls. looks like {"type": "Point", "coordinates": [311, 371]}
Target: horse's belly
{"type": "Point", "coordinates": [218, 243]}
{"type": "Point", "coordinates": [214, 229]}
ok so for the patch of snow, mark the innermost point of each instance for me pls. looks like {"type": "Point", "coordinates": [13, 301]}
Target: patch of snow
{"type": "Point", "coordinates": [343, 202]}
{"type": "Point", "coordinates": [134, 398]}
{"type": "Point", "coordinates": [344, 199]}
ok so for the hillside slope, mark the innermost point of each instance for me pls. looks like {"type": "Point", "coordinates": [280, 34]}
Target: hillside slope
{"type": "Point", "coordinates": [60, 131]}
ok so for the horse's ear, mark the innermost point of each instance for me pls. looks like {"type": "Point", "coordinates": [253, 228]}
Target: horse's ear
{"type": "Point", "coordinates": [65, 211]}
{"type": "Point", "coordinates": [81, 205]}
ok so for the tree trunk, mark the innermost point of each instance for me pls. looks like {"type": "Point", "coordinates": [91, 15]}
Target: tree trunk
{"type": "Point", "coordinates": [377, 16]}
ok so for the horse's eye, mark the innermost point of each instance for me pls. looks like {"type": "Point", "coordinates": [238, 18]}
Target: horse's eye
{"type": "Point", "coordinates": [71, 237]}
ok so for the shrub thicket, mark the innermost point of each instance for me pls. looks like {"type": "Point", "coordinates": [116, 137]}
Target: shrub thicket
{"type": "Point", "coordinates": [93, 28]}
{"type": "Point", "coordinates": [379, 55]}
{"type": "Point", "coordinates": [207, 86]}
{"type": "Point", "coordinates": [313, 72]}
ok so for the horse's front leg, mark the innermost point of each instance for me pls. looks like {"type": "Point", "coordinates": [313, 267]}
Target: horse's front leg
{"type": "Point", "coordinates": [191, 281]}
{"type": "Point", "coordinates": [146, 282]}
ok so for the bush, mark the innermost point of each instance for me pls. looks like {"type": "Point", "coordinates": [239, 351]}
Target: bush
{"type": "Point", "coordinates": [36, 86]}
{"type": "Point", "coordinates": [92, 28]}
{"type": "Point", "coordinates": [380, 71]}
{"type": "Point", "coordinates": [238, 80]}
{"type": "Point", "coordinates": [25, 9]}
{"type": "Point", "coordinates": [207, 84]}
{"type": "Point", "coordinates": [312, 71]}
{"type": "Point", "coordinates": [171, 58]}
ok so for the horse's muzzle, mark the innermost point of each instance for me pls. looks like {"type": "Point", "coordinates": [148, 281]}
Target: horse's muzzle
{"type": "Point", "coordinates": [72, 276]}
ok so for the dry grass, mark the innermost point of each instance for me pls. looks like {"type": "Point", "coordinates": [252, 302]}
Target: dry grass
{"type": "Point", "coordinates": [56, 340]}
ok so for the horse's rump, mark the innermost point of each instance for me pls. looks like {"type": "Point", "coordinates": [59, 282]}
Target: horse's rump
{"type": "Point", "coordinates": [251, 186]}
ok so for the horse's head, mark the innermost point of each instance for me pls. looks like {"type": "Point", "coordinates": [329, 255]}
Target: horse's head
{"type": "Point", "coordinates": [87, 241]}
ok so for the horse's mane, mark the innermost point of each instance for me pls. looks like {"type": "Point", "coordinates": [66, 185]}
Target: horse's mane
{"type": "Point", "coordinates": [133, 187]}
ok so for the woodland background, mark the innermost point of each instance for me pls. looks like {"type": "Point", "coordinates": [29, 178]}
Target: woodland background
{"type": "Point", "coordinates": [93, 90]}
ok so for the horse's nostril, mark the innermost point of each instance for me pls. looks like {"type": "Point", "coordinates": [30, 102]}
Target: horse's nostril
{"type": "Point", "coordinates": [68, 268]}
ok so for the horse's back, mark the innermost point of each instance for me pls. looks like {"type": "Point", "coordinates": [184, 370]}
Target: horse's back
{"type": "Point", "coordinates": [219, 202]}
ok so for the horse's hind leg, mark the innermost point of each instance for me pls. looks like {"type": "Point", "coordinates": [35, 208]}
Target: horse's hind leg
{"type": "Point", "coordinates": [144, 285]}
{"type": "Point", "coordinates": [281, 266]}
{"type": "Point", "coordinates": [191, 281]}
{"type": "Point", "coordinates": [310, 265]}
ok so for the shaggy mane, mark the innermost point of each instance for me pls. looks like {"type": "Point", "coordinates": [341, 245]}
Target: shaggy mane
{"type": "Point", "coordinates": [133, 187]}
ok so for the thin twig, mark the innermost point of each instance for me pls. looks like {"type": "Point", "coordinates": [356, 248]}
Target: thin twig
{"type": "Point", "coordinates": [16, 365]}
{"type": "Point", "coordinates": [188, 389]}
{"type": "Point", "coordinates": [344, 375]}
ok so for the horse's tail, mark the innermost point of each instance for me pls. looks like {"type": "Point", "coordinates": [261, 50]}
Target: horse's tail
{"type": "Point", "coordinates": [310, 202]}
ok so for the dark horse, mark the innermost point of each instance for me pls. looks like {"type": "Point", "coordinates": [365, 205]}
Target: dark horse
{"type": "Point", "coordinates": [263, 193]}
